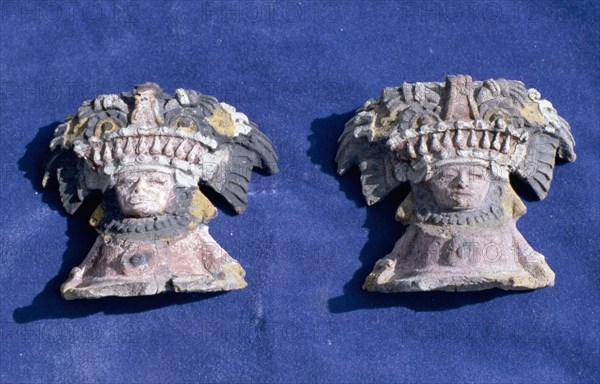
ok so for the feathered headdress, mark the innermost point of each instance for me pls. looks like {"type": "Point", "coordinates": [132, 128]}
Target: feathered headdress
{"type": "Point", "coordinates": [415, 128]}
{"type": "Point", "coordinates": [201, 140]}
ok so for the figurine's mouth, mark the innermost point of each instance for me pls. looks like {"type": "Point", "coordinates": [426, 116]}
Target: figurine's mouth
{"type": "Point", "coordinates": [460, 194]}
{"type": "Point", "coordinates": [137, 201]}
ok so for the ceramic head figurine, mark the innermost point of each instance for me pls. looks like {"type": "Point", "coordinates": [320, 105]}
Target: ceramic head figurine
{"type": "Point", "coordinates": [457, 144]}
{"type": "Point", "coordinates": [146, 153]}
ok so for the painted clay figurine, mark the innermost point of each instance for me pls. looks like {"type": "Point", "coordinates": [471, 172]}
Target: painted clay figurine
{"type": "Point", "coordinates": [457, 144]}
{"type": "Point", "coordinates": [147, 152]}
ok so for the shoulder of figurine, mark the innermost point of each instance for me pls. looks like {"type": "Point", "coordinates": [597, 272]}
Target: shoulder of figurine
{"type": "Point", "coordinates": [512, 203]}
{"type": "Point", "coordinates": [406, 210]}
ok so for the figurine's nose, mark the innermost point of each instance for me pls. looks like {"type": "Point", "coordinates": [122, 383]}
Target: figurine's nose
{"type": "Point", "coordinates": [462, 180]}
{"type": "Point", "coordinates": [140, 185]}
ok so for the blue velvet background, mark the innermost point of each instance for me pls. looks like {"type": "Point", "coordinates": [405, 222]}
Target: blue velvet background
{"type": "Point", "coordinates": [307, 240]}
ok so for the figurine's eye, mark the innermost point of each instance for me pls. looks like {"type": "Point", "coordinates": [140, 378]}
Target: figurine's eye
{"type": "Point", "coordinates": [186, 124]}
{"type": "Point", "coordinates": [476, 175]}
{"type": "Point", "coordinates": [105, 126]}
{"type": "Point", "coordinates": [447, 174]}
{"type": "Point", "coordinates": [129, 181]}
{"type": "Point", "coordinates": [158, 181]}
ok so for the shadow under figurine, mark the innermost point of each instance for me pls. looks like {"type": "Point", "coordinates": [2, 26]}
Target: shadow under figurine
{"type": "Point", "coordinates": [457, 144]}
{"type": "Point", "coordinates": [146, 152]}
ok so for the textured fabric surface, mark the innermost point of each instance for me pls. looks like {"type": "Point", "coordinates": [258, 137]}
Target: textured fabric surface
{"type": "Point", "coordinates": [307, 240]}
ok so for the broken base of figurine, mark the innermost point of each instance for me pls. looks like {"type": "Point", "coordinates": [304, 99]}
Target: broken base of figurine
{"type": "Point", "coordinates": [192, 262]}
{"type": "Point", "coordinates": [454, 258]}
{"type": "Point", "coordinates": [455, 281]}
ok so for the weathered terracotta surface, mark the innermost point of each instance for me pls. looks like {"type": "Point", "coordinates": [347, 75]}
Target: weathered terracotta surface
{"type": "Point", "coordinates": [147, 152]}
{"type": "Point", "coordinates": [457, 144]}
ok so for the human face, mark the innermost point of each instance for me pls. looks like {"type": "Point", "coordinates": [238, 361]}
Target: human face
{"type": "Point", "coordinates": [460, 187]}
{"type": "Point", "coordinates": [144, 193]}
